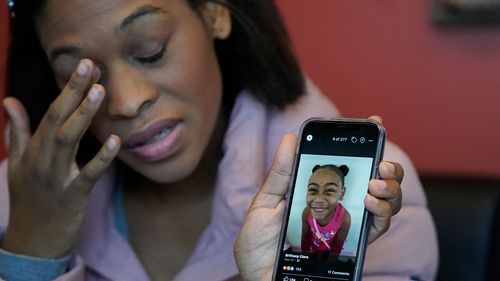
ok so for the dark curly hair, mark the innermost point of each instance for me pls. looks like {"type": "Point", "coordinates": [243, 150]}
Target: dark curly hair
{"type": "Point", "coordinates": [341, 170]}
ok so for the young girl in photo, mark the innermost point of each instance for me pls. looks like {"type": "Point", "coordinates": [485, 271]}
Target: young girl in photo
{"type": "Point", "coordinates": [325, 221]}
{"type": "Point", "coordinates": [140, 134]}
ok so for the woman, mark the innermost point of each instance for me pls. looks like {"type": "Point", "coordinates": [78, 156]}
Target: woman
{"type": "Point", "coordinates": [167, 88]}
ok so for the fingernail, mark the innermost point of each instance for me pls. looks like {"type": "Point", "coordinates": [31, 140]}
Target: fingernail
{"type": "Point", "coordinates": [112, 143]}
{"type": "Point", "coordinates": [82, 69]}
{"type": "Point", "coordinates": [94, 94]}
{"type": "Point", "coordinates": [7, 108]}
{"type": "Point", "coordinates": [389, 167]}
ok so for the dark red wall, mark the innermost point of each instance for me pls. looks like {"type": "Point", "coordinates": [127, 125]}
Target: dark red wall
{"type": "Point", "coordinates": [437, 88]}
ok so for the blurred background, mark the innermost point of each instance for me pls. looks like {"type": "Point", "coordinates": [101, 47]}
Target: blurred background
{"type": "Point", "coordinates": [437, 87]}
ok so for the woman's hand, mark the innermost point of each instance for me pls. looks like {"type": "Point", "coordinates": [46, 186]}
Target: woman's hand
{"type": "Point", "coordinates": [257, 243]}
{"type": "Point", "coordinates": [48, 191]}
{"type": "Point", "coordinates": [384, 195]}
{"type": "Point", "coordinates": [384, 198]}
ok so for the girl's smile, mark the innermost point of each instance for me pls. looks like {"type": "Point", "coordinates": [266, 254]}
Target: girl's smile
{"type": "Point", "coordinates": [319, 213]}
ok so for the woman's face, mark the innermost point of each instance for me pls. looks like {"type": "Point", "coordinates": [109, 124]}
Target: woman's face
{"type": "Point", "coordinates": [158, 67]}
{"type": "Point", "coordinates": [324, 191]}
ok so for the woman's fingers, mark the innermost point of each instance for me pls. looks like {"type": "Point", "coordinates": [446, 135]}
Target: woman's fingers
{"type": "Point", "coordinates": [73, 129]}
{"type": "Point", "coordinates": [19, 128]}
{"type": "Point", "coordinates": [387, 190]}
{"type": "Point", "coordinates": [388, 187]}
{"type": "Point", "coordinates": [91, 172]}
{"type": "Point", "coordinates": [384, 197]}
{"type": "Point", "coordinates": [381, 216]}
{"type": "Point", "coordinates": [391, 171]}
{"type": "Point", "coordinates": [276, 185]}
{"type": "Point", "coordinates": [48, 135]}
{"type": "Point", "coordinates": [69, 99]}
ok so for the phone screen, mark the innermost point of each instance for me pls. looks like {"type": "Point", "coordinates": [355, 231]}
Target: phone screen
{"type": "Point", "coordinates": [324, 233]}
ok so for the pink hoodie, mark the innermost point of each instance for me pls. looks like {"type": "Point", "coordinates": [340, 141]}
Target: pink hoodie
{"type": "Point", "coordinates": [409, 248]}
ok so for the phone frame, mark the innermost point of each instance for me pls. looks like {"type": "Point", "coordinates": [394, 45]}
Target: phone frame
{"type": "Point", "coordinates": [363, 239]}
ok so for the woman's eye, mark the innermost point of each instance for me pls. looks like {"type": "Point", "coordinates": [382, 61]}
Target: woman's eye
{"type": "Point", "coordinates": [151, 58]}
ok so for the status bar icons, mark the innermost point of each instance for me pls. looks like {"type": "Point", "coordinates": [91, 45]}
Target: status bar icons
{"type": "Point", "coordinates": [353, 139]}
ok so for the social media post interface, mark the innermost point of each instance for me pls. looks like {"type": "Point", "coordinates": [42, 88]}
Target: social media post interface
{"type": "Point", "coordinates": [324, 231]}
{"type": "Point", "coordinates": [323, 263]}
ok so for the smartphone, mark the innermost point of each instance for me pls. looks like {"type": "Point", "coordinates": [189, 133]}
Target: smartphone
{"type": "Point", "coordinates": [325, 228]}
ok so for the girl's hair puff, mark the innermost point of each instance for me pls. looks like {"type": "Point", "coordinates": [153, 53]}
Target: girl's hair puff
{"type": "Point", "coordinates": [341, 170]}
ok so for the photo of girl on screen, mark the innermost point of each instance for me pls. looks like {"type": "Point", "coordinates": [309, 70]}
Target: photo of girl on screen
{"type": "Point", "coordinates": [325, 221]}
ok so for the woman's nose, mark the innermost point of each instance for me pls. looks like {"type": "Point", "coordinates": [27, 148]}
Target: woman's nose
{"type": "Point", "coordinates": [128, 92]}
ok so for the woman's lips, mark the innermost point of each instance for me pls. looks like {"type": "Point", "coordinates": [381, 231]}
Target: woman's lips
{"type": "Point", "coordinates": [157, 141]}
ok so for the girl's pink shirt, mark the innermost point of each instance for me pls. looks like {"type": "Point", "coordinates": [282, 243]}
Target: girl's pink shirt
{"type": "Point", "coordinates": [409, 248]}
{"type": "Point", "coordinates": [321, 237]}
